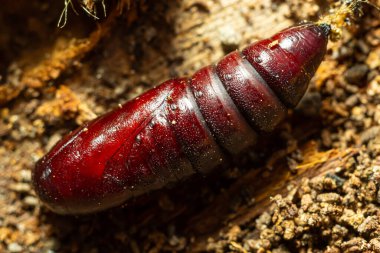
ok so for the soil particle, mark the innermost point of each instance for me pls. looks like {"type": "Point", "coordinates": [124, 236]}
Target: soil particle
{"type": "Point", "coordinates": [322, 211]}
{"type": "Point", "coordinates": [370, 226]}
{"type": "Point", "coordinates": [329, 197]}
{"type": "Point", "coordinates": [355, 245]}
{"type": "Point", "coordinates": [14, 247]}
{"type": "Point", "coordinates": [351, 218]}
{"type": "Point", "coordinates": [375, 243]}
{"type": "Point", "coordinates": [357, 74]}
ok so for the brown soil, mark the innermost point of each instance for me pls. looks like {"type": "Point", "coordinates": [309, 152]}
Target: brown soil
{"type": "Point", "coordinates": [314, 186]}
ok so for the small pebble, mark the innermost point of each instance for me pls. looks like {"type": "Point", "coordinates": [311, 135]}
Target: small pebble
{"type": "Point", "coordinates": [31, 201]}
{"type": "Point", "coordinates": [369, 134]}
{"type": "Point", "coordinates": [20, 187]}
{"type": "Point", "coordinates": [14, 247]}
{"type": "Point", "coordinates": [375, 243]}
{"type": "Point", "coordinates": [371, 223]}
{"type": "Point", "coordinates": [357, 74]}
{"type": "Point", "coordinates": [329, 197]}
{"type": "Point", "coordinates": [352, 100]}
{"type": "Point", "coordinates": [26, 175]}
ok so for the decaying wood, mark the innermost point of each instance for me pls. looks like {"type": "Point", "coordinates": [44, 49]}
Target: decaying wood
{"type": "Point", "coordinates": [61, 57]}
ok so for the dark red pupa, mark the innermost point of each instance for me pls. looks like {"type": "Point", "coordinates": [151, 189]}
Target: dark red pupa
{"type": "Point", "coordinates": [181, 127]}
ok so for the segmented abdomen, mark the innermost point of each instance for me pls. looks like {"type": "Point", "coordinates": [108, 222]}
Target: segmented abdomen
{"type": "Point", "coordinates": [181, 127]}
